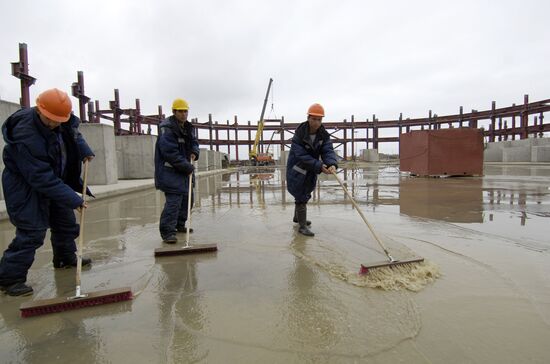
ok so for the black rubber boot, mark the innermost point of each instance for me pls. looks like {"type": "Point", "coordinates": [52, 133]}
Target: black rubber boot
{"type": "Point", "coordinates": [17, 289]}
{"type": "Point", "coordinates": [295, 219]}
{"type": "Point", "coordinates": [170, 239]}
{"type": "Point", "coordinates": [58, 263]}
{"type": "Point", "coordinates": [301, 214]}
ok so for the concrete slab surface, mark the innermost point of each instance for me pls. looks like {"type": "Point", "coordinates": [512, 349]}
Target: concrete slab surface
{"type": "Point", "coordinates": [272, 295]}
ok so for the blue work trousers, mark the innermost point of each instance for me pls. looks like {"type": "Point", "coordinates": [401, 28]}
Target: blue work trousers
{"type": "Point", "coordinates": [174, 214]}
{"type": "Point", "coordinates": [19, 256]}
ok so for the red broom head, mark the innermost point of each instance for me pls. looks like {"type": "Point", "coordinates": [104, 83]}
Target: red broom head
{"type": "Point", "coordinates": [75, 304]}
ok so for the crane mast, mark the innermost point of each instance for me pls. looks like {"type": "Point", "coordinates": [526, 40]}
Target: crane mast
{"type": "Point", "coordinates": [254, 152]}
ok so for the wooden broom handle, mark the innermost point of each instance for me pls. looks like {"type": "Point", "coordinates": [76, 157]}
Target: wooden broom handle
{"type": "Point", "coordinates": [363, 216]}
{"type": "Point", "coordinates": [189, 208]}
{"type": "Point", "coordinates": [81, 233]}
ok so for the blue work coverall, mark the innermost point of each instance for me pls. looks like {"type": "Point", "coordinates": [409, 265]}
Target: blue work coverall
{"type": "Point", "coordinates": [303, 163]}
{"type": "Point", "coordinates": [173, 150]}
{"type": "Point", "coordinates": [40, 177]}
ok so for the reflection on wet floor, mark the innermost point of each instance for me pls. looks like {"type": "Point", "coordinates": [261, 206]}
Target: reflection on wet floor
{"type": "Point", "coordinates": [270, 294]}
{"type": "Point", "coordinates": [456, 200]}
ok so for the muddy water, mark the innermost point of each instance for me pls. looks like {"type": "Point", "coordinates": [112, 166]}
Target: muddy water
{"type": "Point", "coordinates": [272, 295]}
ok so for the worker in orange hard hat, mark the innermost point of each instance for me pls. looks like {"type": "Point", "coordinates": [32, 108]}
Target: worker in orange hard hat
{"type": "Point", "coordinates": [42, 157]}
{"type": "Point", "coordinates": [176, 149]}
{"type": "Point", "coordinates": [311, 153]}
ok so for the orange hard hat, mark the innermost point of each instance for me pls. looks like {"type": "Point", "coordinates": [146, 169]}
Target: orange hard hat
{"type": "Point", "coordinates": [316, 110]}
{"type": "Point", "coordinates": [55, 105]}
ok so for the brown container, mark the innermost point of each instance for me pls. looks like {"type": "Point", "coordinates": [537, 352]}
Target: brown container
{"type": "Point", "coordinates": [452, 152]}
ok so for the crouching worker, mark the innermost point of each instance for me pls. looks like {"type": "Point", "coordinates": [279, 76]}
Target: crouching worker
{"type": "Point", "coordinates": [310, 143]}
{"type": "Point", "coordinates": [42, 157]}
{"type": "Point", "coordinates": [176, 149]}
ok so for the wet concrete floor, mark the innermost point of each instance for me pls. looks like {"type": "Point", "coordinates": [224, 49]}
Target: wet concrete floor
{"type": "Point", "coordinates": [271, 295]}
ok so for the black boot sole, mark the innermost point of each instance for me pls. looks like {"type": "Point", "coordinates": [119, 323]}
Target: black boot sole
{"type": "Point", "coordinates": [12, 294]}
{"type": "Point", "coordinates": [69, 266]}
{"type": "Point", "coordinates": [29, 293]}
{"type": "Point", "coordinates": [306, 233]}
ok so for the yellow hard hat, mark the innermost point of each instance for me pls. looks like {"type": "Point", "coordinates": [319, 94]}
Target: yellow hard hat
{"type": "Point", "coordinates": [180, 104]}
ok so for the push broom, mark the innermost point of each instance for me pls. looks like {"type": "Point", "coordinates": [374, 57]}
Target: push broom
{"type": "Point", "coordinates": [187, 249]}
{"type": "Point", "coordinates": [79, 300]}
{"type": "Point", "coordinates": [391, 262]}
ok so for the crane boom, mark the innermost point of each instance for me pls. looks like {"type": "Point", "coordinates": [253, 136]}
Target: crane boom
{"type": "Point", "coordinates": [254, 152]}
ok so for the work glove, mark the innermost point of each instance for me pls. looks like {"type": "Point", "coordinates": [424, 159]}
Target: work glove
{"type": "Point", "coordinates": [188, 168]}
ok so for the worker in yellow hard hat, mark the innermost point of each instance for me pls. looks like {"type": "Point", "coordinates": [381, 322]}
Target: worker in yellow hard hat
{"type": "Point", "coordinates": [43, 155]}
{"type": "Point", "coordinates": [311, 153]}
{"type": "Point", "coordinates": [176, 149]}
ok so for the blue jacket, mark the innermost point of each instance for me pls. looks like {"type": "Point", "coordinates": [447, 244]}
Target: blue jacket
{"type": "Point", "coordinates": [173, 151]}
{"type": "Point", "coordinates": [33, 175]}
{"type": "Point", "coordinates": [303, 164]}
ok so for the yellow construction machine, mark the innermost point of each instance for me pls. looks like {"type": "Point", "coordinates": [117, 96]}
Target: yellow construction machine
{"type": "Point", "coordinates": [257, 158]}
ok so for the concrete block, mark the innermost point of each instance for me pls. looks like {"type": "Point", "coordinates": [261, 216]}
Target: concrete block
{"type": "Point", "coordinates": [202, 163]}
{"type": "Point", "coordinates": [540, 154]}
{"type": "Point", "coordinates": [135, 156]}
{"type": "Point", "coordinates": [211, 160]}
{"type": "Point", "coordinates": [283, 159]}
{"type": "Point", "coordinates": [224, 160]}
{"type": "Point", "coordinates": [493, 151]}
{"type": "Point", "coordinates": [517, 154]}
{"type": "Point", "coordinates": [370, 155]}
{"type": "Point", "coordinates": [103, 169]}
{"type": "Point", "coordinates": [217, 160]}
{"type": "Point", "coordinates": [214, 160]}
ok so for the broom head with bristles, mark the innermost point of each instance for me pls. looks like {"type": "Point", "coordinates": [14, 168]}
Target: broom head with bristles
{"type": "Point", "coordinates": [191, 249]}
{"type": "Point", "coordinates": [366, 268]}
{"type": "Point", "coordinates": [60, 304]}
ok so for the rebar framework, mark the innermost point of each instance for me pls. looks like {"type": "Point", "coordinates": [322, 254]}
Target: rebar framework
{"type": "Point", "coordinates": [527, 119]}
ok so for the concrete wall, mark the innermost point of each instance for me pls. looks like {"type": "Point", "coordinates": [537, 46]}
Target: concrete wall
{"type": "Point", "coordinates": [517, 154]}
{"type": "Point", "coordinates": [540, 154]}
{"type": "Point", "coordinates": [493, 151]}
{"type": "Point", "coordinates": [6, 109]}
{"type": "Point", "coordinates": [101, 138]}
{"type": "Point", "coordinates": [524, 150]}
{"type": "Point", "coordinates": [135, 156]}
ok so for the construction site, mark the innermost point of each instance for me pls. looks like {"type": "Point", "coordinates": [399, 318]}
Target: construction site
{"type": "Point", "coordinates": [468, 192]}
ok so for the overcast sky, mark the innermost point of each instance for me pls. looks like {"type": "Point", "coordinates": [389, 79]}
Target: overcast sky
{"type": "Point", "coordinates": [354, 57]}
